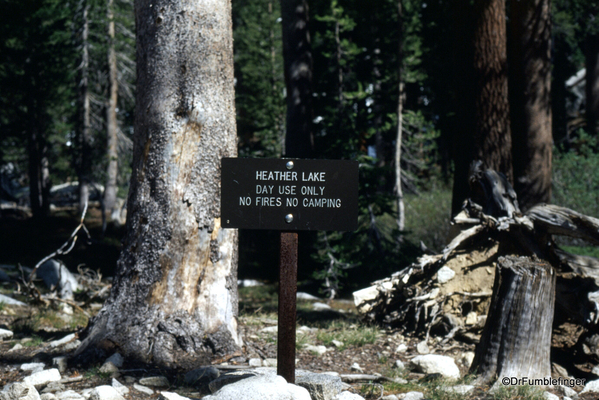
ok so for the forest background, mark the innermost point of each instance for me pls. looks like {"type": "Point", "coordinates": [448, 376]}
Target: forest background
{"type": "Point", "coordinates": [67, 78]}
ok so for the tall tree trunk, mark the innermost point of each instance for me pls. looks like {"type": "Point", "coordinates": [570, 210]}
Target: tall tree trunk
{"type": "Point", "coordinates": [38, 169]}
{"type": "Point", "coordinates": [530, 97]}
{"type": "Point", "coordinates": [174, 297]}
{"type": "Point", "coordinates": [492, 138]}
{"type": "Point", "coordinates": [84, 162]}
{"type": "Point", "coordinates": [401, 217]}
{"type": "Point", "coordinates": [111, 120]}
{"type": "Point", "coordinates": [297, 52]}
{"type": "Point", "coordinates": [592, 83]}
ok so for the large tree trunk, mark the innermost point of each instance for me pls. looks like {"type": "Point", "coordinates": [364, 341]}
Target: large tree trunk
{"type": "Point", "coordinates": [39, 174]}
{"type": "Point", "coordinates": [592, 83]}
{"type": "Point", "coordinates": [492, 138]}
{"type": "Point", "coordinates": [516, 340]}
{"type": "Point", "coordinates": [530, 90]}
{"type": "Point", "coordinates": [297, 52]}
{"type": "Point", "coordinates": [174, 296]}
{"type": "Point", "coordinates": [84, 150]}
{"type": "Point", "coordinates": [111, 121]}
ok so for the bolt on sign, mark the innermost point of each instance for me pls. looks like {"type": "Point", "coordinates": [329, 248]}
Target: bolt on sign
{"type": "Point", "coordinates": [289, 194]}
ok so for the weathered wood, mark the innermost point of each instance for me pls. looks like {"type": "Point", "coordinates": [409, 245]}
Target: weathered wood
{"type": "Point", "coordinates": [492, 191]}
{"type": "Point", "coordinates": [558, 220]}
{"type": "Point", "coordinates": [516, 339]}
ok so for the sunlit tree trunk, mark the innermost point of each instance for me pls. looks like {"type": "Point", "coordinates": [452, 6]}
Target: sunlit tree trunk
{"type": "Point", "coordinates": [111, 120]}
{"type": "Point", "coordinates": [84, 151]}
{"type": "Point", "coordinates": [401, 217]}
{"type": "Point", "coordinates": [174, 297]}
{"type": "Point", "coordinates": [530, 98]}
{"type": "Point", "coordinates": [297, 52]}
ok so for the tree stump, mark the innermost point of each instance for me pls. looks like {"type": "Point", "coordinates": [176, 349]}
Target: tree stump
{"type": "Point", "coordinates": [516, 339]}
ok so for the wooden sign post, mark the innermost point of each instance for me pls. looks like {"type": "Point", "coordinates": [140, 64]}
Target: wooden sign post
{"type": "Point", "coordinates": [289, 195]}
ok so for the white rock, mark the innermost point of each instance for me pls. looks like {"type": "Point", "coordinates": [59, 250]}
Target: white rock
{"type": "Point", "coordinates": [390, 397]}
{"type": "Point", "coordinates": [54, 273]}
{"type": "Point", "coordinates": [19, 391]}
{"type": "Point", "coordinates": [270, 362]}
{"type": "Point", "coordinates": [60, 363]}
{"type": "Point", "coordinates": [445, 274]}
{"type": "Point", "coordinates": [10, 301]}
{"type": "Point", "coordinates": [399, 364]}
{"type": "Point", "coordinates": [171, 396]}
{"type": "Point", "coordinates": [460, 389]}
{"type": "Point", "coordinates": [471, 318]}
{"type": "Point", "coordinates": [105, 392]}
{"type": "Point", "coordinates": [5, 334]}
{"type": "Point", "coordinates": [402, 348]}
{"type": "Point", "coordinates": [255, 362]}
{"type": "Point", "coordinates": [71, 345]}
{"type": "Point", "coordinates": [592, 386]}
{"type": "Point", "coordinates": [272, 387]}
{"type": "Point", "coordinates": [318, 350]}
{"type": "Point", "coordinates": [158, 381]}
{"type": "Point", "coordinates": [348, 396]}
{"type": "Point", "coordinates": [337, 343]}
{"type": "Point", "coordinates": [64, 340]}
{"type": "Point", "coordinates": [467, 359]}
{"type": "Point", "coordinates": [306, 297]}
{"type": "Point", "coordinates": [143, 389]}
{"type": "Point", "coordinates": [122, 389]}
{"type": "Point", "coordinates": [16, 347]}
{"type": "Point", "coordinates": [550, 396]}
{"type": "Point", "coordinates": [43, 377]}
{"type": "Point", "coordinates": [33, 367]}
{"type": "Point", "coordinates": [413, 396]}
{"type": "Point", "coordinates": [249, 283]}
{"type": "Point", "coordinates": [436, 364]}
{"type": "Point", "coordinates": [69, 395]}
{"type": "Point", "coordinates": [117, 359]}
{"type": "Point", "coordinates": [108, 368]}
{"type": "Point", "coordinates": [320, 306]}
{"type": "Point", "coordinates": [86, 393]}
{"type": "Point", "coordinates": [422, 348]}
{"type": "Point", "coordinates": [363, 298]}
{"type": "Point", "coordinates": [356, 367]}
{"type": "Point", "coordinates": [566, 391]}
{"type": "Point", "coordinates": [270, 329]}
{"type": "Point", "coordinates": [48, 396]}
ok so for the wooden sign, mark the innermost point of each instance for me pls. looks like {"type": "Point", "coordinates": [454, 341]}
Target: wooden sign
{"type": "Point", "coordinates": [289, 194]}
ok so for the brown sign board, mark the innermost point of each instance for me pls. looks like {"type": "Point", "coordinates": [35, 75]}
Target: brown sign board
{"type": "Point", "coordinates": [289, 194]}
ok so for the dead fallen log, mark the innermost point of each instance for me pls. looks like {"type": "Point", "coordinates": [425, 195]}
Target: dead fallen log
{"type": "Point", "coordinates": [557, 220]}
{"type": "Point", "coordinates": [516, 339]}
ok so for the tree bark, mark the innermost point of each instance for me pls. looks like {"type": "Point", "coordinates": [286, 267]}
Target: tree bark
{"type": "Point", "coordinates": [592, 83]}
{"type": "Point", "coordinates": [110, 190]}
{"type": "Point", "coordinates": [401, 217]}
{"type": "Point", "coordinates": [516, 340]}
{"type": "Point", "coordinates": [174, 297]}
{"type": "Point", "coordinates": [492, 138]}
{"type": "Point", "coordinates": [83, 158]}
{"type": "Point", "coordinates": [530, 97]}
{"type": "Point", "coordinates": [297, 53]}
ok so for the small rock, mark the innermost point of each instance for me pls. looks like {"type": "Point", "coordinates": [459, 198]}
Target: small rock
{"type": "Point", "coordinates": [108, 368]}
{"type": "Point", "coordinates": [117, 359]}
{"type": "Point", "coordinates": [445, 274]}
{"type": "Point", "coordinates": [106, 392]}
{"type": "Point", "coordinates": [337, 343]}
{"type": "Point", "coordinates": [43, 377]}
{"type": "Point", "coordinates": [270, 362]}
{"type": "Point", "coordinates": [306, 297]}
{"type": "Point", "coordinates": [413, 396]}
{"type": "Point", "coordinates": [16, 347]}
{"type": "Point", "coordinates": [305, 329]}
{"type": "Point", "coordinates": [143, 389]}
{"type": "Point", "coordinates": [69, 395]}
{"type": "Point", "coordinates": [171, 396]}
{"type": "Point", "coordinates": [422, 348]}
{"type": "Point", "coordinates": [592, 386]}
{"type": "Point", "coordinates": [64, 340]}
{"type": "Point", "coordinates": [269, 386]}
{"type": "Point", "coordinates": [201, 376]}
{"type": "Point", "coordinates": [54, 387]}
{"type": "Point", "coordinates": [390, 397]}
{"type": "Point", "coordinates": [550, 396]}
{"type": "Point", "coordinates": [5, 334]}
{"type": "Point", "coordinates": [467, 359]}
{"type": "Point", "coordinates": [320, 306]}
{"type": "Point", "coordinates": [321, 386]}
{"type": "Point", "coordinates": [356, 367]}
{"type": "Point", "coordinates": [48, 396]}
{"type": "Point", "coordinates": [566, 391]}
{"type": "Point", "coordinates": [19, 391]}
{"type": "Point", "coordinates": [436, 364]}
{"type": "Point", "coordinates": [248, 283]}
{"type": "Point", "coordinates": [10, 301]}
{"type": "Point", "coordinates": [402, 348]}
{"type": "Point", "coordinates": [60, 363]}
{"type": "Point", "coordinates": [33, 367]}
{"type": "Point", "coordinates": [71, 345]}
{"type": "Point", "coordinates": [348, 396]}
{"type": "Point", "coordinates": [270, 329]}
{"type": "Point", "coordinates": [55, 274]}
{"type": "Point", "coordinates": [157, 381]}
{"type": "Point", "coordinates": [86, 393]}
{"type": "Point", "coordinates": [399, 364]}
{"type": "Point", "coordinates": [255, 362]}
{"type": "Point", "coordinates": [471, 318]}
{"type": "Point", "coordinates": [318, 350]}
{"type": "Point", "coordinates": [119, 387]}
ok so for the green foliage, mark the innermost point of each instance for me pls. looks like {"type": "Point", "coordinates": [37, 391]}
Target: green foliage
{"type": "Point", "coordinates": [351, 335]}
